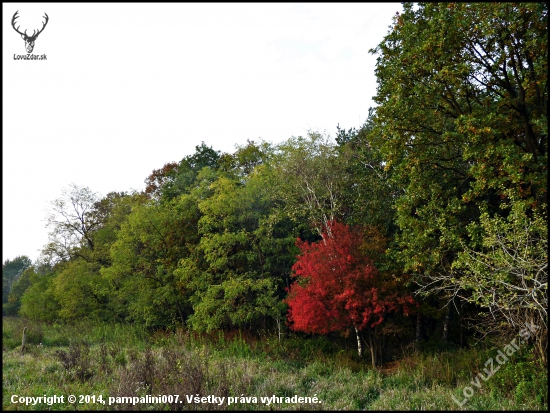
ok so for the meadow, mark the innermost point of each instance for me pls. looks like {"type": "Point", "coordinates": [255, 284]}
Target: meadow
{"type": "Point", "coordinates": [237, 371]}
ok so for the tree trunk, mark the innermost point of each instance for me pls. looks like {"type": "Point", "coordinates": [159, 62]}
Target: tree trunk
{"type": "Point", "coordinates": [446, 324]}
{"type": "Point", "coordinates": [359, 346]}
{"type": "Point", "coordinates": [180, 312]}
{"type": "Point", "coordinates": [460, 321]}
{"type": "Point", "coordinates": [418, 327]}
{"type": "Point", "coordinates": [24, 340]}
{"type": "Point", "coordinates": [372, 350]}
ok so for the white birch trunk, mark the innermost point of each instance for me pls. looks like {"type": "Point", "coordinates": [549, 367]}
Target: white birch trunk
{"type": "Point", "coordinates": [359, 346]}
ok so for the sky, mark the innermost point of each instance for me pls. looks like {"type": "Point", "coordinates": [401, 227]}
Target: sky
{"type": "Point", "coordinates": [126, 88]}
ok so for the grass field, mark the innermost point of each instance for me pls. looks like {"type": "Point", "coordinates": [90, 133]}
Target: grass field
{"type": "Point", "coordinates": [123, 361]}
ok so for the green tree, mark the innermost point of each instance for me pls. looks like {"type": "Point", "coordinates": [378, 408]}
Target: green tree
{"type": "Point", "coordinates": [111, 212]}
{"type": "Point", "coordinates": [83, 228]}
{"type": "Point", "coordinates": [507, 275]}
{"type": "Point", "coordinates": [310, 180]}
{"type": "Point", "coordinates": [148, 248]}
{"type": "Point", "coordinates": [20, 285]}
{"type": "Point", "coordinates": [72, 224]}
{"type": "Point", "coordinates": [178, 178]}
{"type": "Point", "coordinates": [369, 190]}
{"type": "Point", "coordinates": [79, 290]}
{"type": "Point", "coordinates": [11, 271]}
{"type": "Point", "coordinates": [242, 162]}
{"type": "Point", "coordinates": [462, 122]}
{"type": "Point", "coordinates": [242, 262]}
{"type": "Point", "coordinates": [39, 301]}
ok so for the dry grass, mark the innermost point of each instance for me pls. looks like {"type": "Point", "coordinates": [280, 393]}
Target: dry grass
{"type": "Point", "coordinates": [187, 364]}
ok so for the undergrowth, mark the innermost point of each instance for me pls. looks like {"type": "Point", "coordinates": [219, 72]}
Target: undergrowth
{"type": "Point", "coordinates": [121, 361]}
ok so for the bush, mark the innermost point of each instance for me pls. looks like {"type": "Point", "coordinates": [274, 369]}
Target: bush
{"type": "Point", "coordinates": [77, 361]}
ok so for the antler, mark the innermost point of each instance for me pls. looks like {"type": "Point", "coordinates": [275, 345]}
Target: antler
{"type": "Point", "coordinates": [15, 16]}
{"type": "Point", "coordinates": [34, 34]}
{"type": "Point", "coordinates": [43, 25]}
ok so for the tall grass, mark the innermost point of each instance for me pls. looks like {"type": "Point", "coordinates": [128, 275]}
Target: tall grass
{"type": "Point", "coordinates": [121, 360]}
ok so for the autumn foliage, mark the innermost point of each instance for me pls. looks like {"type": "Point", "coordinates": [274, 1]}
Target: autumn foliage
{"type": "Point", "coordinates": [337, 286]}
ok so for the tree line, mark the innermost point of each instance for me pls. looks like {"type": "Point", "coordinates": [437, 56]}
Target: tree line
{"type": "Point", "coordinates": [434, 210]}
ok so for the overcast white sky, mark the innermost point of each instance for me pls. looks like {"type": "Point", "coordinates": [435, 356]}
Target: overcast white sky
{"type": "Point", "coordinates": [127, 88]}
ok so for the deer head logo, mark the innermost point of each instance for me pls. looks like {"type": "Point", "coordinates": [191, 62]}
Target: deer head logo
{"type": "Point", "coordinates": [29, 40]}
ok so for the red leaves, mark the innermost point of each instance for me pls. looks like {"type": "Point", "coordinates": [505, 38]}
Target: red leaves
{"type": "Point", "coordinates": [159, 177]}
{"type": "Point", "coordinates": [338, 287]}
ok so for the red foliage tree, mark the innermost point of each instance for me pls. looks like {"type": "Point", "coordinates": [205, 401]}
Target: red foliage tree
{"type": "Point", "coordinates": [338, 287]}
